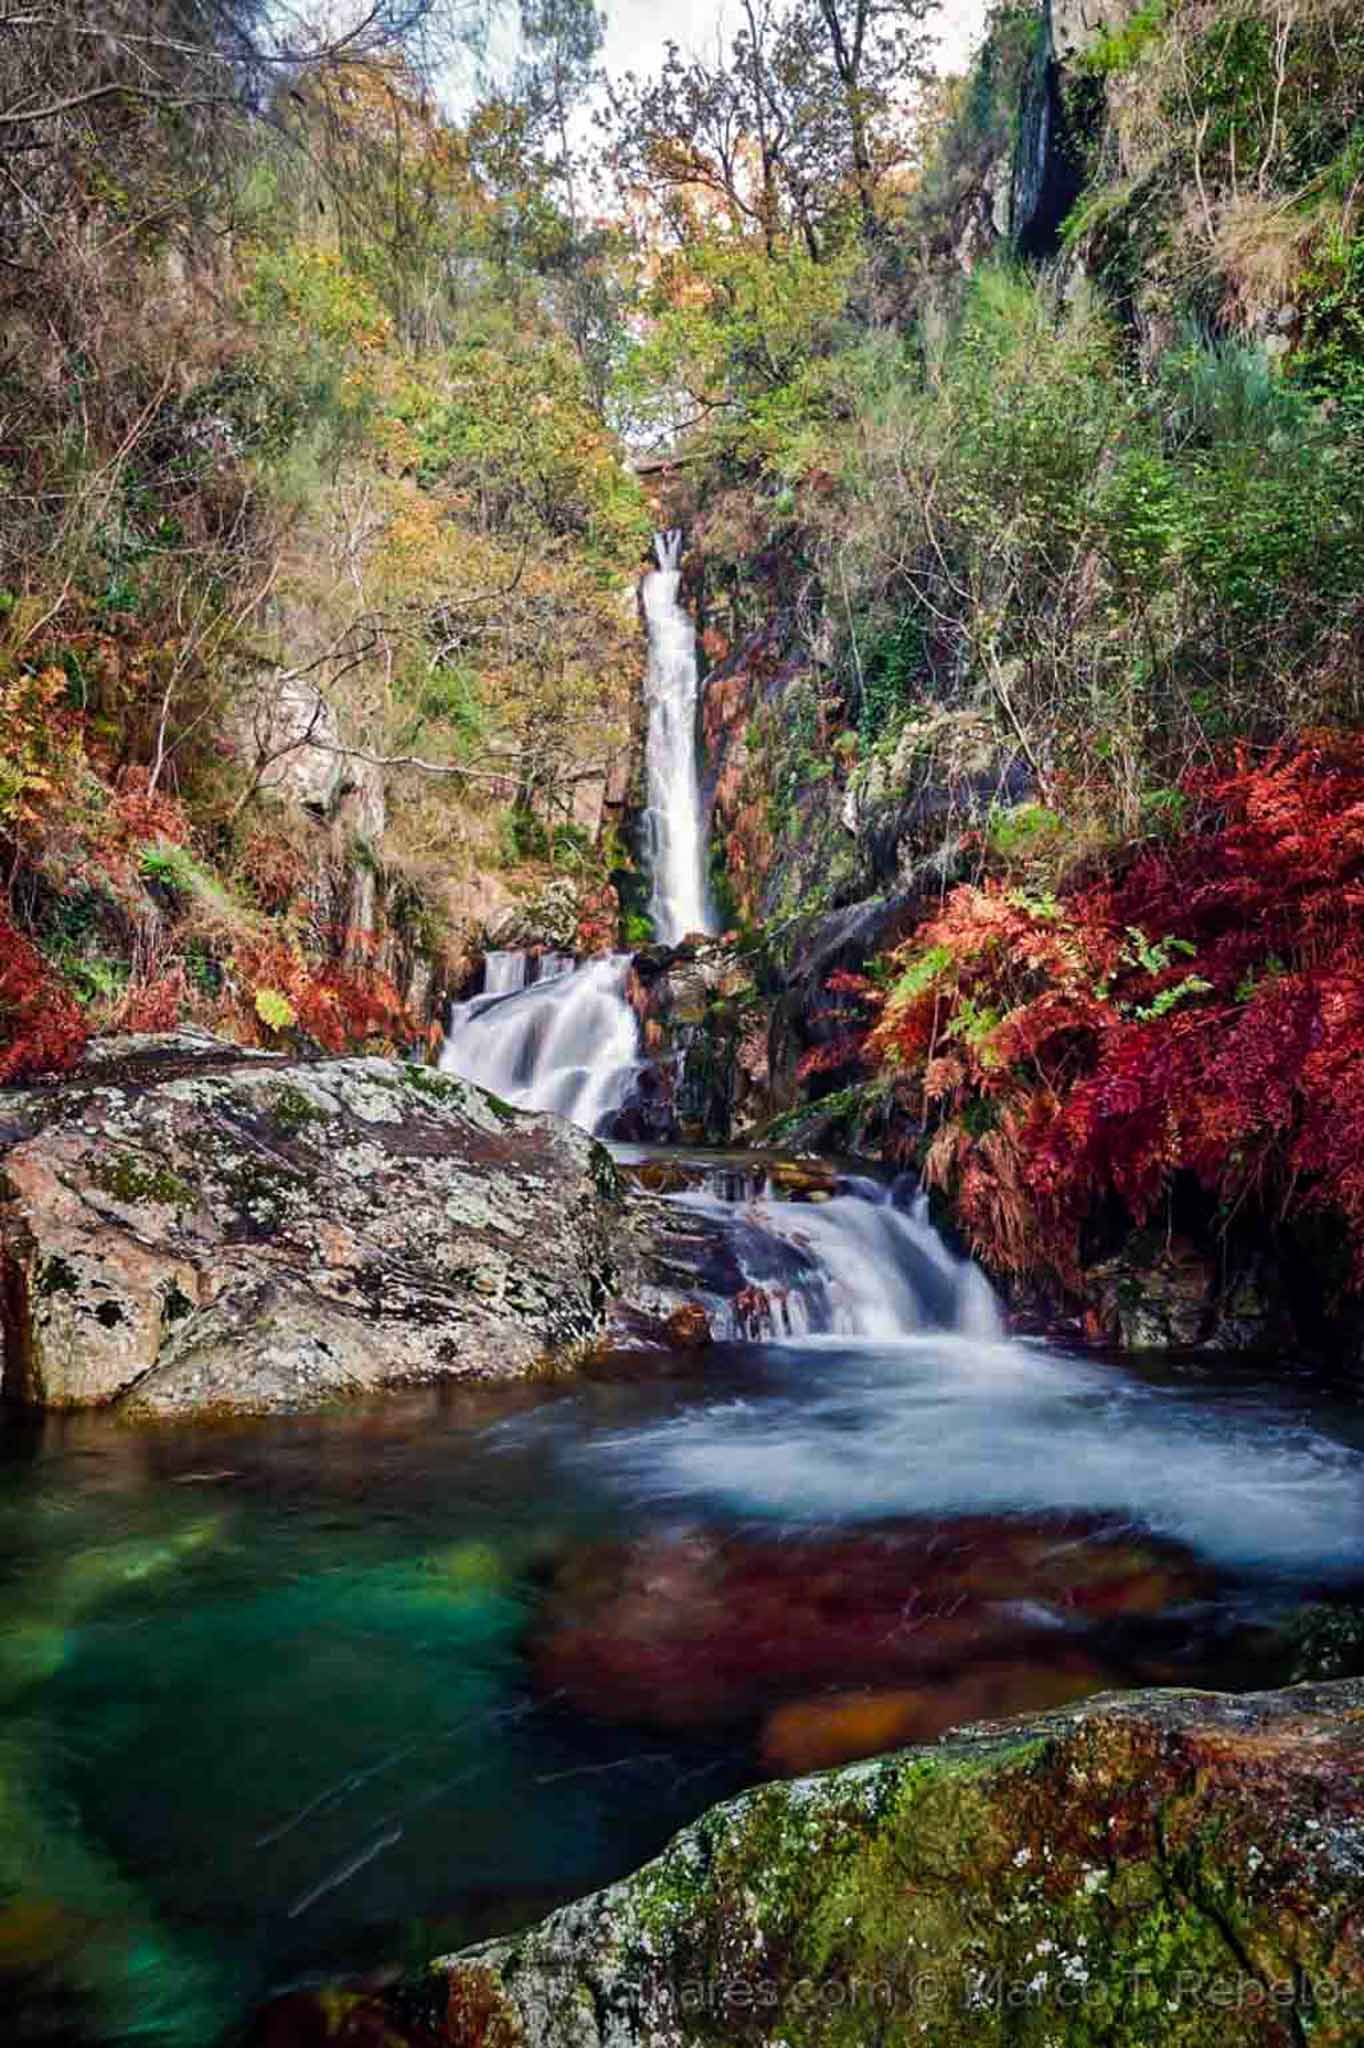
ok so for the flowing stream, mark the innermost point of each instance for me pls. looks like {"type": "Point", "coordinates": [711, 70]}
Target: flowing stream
{"type": "Point", "coordinates": [308, 1697]}
{"type": "Point", "coordinates": [302, 1698]}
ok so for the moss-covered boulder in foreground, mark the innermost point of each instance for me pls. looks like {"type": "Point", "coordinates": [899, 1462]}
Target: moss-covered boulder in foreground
{"type": "Point", "coordinates": [1171, 1868]}
{"type": "Point", "coordinates": [188, 1225]}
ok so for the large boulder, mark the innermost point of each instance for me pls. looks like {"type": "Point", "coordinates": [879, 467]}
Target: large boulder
{"type": "Point", "coordinates": [184, 1224]}
{"type": "Point", "coordinates": [1175, 1867]}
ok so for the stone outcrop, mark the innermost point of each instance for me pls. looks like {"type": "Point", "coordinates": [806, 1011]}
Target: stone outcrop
{"type": "Point", "coordinates": [1173, 1867]}
{"type": "Point", "coordinates": [184, 1225]}
{"type": "Point", "coordinates": [703, 1027]}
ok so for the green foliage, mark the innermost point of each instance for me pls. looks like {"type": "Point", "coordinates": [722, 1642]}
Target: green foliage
{"type": "Point", "coordinates": [746, 338]}
{"type": "Point", "coordinates": [1131, 572]}
{"type": "Point", "coordinates": [1023, 830]}
{"type": "Point", "coordinates": [1329, 363]}
{"type": "Point", "coordinates": [1119, 49]}
{"type": "Point", "coordinates": [892, 669]}
{"type": "Point", "coordinates": [275, 1010]}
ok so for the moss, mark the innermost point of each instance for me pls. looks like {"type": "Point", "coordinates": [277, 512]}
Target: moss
{"type": "Point", "coordinates": [1112, 1877]}
{"type": "Point", "coordinates": [435, 1086]}
{"type": "Point", "coordinates": [55, 1276]}
{"type": "Point", "coordinates": [294, 1111]}
{"type": "Point", "coordinates": [130, 1179]}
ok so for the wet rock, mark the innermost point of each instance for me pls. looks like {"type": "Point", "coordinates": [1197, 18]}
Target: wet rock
{"type": "Point", "coordinates": [184, 1225]}
{"type": "Point", "coordinates": [1162, 1294]}
{"type": "Point", "coordinates": [688, 1327]}
{"type": "Point", "coordinates": [703, 1026]}
{"type": "Point", "coordinates": [804, 1180]}
{"type": "Point", "coordinates": [697, 1629]}
{"type": "Point", "coordinates": [1184, 1868]}
{"type": "Point", "coordinates": [662, 1176]}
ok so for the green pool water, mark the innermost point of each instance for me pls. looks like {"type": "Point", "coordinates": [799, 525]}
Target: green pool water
{"type": "Point", "coordinates": [267, 1713]}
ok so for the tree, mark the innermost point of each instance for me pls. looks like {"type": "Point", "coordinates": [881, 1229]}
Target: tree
{"type": "Point", "coordinates": [805, 112]}
{"type": "Point", "coordinates": [564, 40]}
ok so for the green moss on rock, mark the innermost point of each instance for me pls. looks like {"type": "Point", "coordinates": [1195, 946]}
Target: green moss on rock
{"type": "Point", "coordinates": [1179, 1868]}
{"type": "Point", "coordinates": [131, 1179]}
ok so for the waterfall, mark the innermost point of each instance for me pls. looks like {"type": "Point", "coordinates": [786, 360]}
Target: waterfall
{"type": "Point", "coordinates": [673, 831]}
{"type": "Point", "coordinates": [863, 1262]}
{"type": "Point", "coordinates": [545, 1034]}
{"type": "Point", "coordinates": [564, 1040]}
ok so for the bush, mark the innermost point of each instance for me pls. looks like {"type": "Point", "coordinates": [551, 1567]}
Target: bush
{"type": "Point", "coordinates": [1201, 1014]}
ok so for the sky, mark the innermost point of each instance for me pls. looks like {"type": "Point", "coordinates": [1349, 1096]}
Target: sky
{"type": "Point", "coordinates": [638, 30]}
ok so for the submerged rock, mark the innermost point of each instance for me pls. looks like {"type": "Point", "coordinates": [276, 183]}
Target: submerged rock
{"type": "Point", "coordinates": [1183, 1868]}
{"type": "Point", "coordinates": [187, 1225]}
{"type": "Point", "coordinates": [701, 1628]}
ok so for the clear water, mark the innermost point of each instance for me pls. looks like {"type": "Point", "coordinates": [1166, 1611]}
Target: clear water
{"type": "Point", "coordinates": [275, 1701]}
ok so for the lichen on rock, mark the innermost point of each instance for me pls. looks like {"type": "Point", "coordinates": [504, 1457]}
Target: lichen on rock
{"type": "Point", "coordinates": [185, 1226]}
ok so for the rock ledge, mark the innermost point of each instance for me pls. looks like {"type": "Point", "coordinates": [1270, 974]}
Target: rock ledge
{"type": "Point", "coordinates": [188, 1225]}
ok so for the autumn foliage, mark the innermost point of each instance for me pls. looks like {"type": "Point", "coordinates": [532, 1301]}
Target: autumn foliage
{"type": "Point", "coordinates": [41, 1027]}
{"type": "Point", "coordinates": [1201, 1013]}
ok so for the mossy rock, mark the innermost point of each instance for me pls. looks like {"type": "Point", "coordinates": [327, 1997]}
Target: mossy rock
{"type": "Point", "coordinates": [1174, 1867]}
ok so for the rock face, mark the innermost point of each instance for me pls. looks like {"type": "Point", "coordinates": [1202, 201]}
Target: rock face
{"type": "Point", "coordinates": [1181, 1868]}
{"type": "Point", "coordinates": [186, 1225]}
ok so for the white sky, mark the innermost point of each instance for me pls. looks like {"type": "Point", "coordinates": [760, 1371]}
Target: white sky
{"type": "Point", "coordinates": [638, 30]}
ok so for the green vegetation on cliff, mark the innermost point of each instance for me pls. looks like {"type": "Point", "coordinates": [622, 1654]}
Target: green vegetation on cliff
{"type": "Point", "coordinates": [316, 549]}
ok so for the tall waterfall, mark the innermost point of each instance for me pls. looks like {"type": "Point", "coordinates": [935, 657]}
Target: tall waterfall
{"type": "Point", "coordinates": [674, 836]}
{"type": "Point", "coordinates": [545, 1034]}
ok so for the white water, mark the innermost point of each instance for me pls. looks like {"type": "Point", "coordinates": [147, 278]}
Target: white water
{"type": "Point", "coordinates": [674, 835]}
{"type": "Point", "coordinates": [566, 1041]}
{"type": "Point", "coordinates": [862, 1263]}
{"type": "Point", "coordinates": [941, 1423]}
{"type": "Point", "coordinates": [545, 1034]}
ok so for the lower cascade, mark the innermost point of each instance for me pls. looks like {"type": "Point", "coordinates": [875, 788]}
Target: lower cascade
{"type": "Point", "coordinates": [863, 1260]}
{"type": "Point", "coordinates": [565, 1041]}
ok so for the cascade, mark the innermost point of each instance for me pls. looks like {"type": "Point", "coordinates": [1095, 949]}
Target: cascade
{"type": "Point", "coordinates": [545, 1034]}
{"type": "Point", "coordinates": [674, 835]}
{"type": "Point", "coordinates": [565, 1041]}
{"type": "Point", "coordinates": [864, 1262]}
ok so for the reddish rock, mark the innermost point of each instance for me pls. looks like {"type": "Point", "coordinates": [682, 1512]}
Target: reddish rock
{"type": "Point", "coordinates": [688, 1327]}
{"type": "Point", "coordinates": [812, 1735]}
{"type": "Point", "coordinates": [703, 1628]}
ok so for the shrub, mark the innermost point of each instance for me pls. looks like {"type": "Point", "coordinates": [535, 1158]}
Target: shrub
{"type": "Point", "coordinates": [1201, 1013]}
{"type": "Point", "coordinates": [41, 1028]}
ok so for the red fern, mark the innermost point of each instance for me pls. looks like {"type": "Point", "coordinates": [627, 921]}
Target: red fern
{"type": "Point", "coordinates": [1203, 1012]}
{"type": "Point", "coordinates": [41, 1028]}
